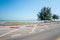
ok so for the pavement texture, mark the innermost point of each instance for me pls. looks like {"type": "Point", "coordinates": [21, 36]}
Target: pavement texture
{"type": "Point", "coordinates": [51, 34]}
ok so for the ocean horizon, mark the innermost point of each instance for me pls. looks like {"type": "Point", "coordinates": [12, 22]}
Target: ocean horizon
{"type": "Point", "coordinates": [23, 20]}
{"type": "Point", "coordinates": [19, 21]}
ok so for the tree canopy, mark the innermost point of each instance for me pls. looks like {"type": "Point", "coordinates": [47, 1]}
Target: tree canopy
{"type": "Point", "coordinates": [55, 16]}
{"type": "Point", "coordinates": [45, 14]}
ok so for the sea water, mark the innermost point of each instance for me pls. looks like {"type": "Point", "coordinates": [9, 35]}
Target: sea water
{"type": "Point", "coordinates": [20, 21]}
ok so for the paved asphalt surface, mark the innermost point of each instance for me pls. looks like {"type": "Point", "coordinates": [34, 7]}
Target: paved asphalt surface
{"type": "Point", "coordinates": [51, 34]}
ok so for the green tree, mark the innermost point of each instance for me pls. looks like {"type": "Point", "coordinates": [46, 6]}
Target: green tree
{"type": "Point", "coordinates": [45, 14]}
{"type": "Point", "coordinates": [55, 17]}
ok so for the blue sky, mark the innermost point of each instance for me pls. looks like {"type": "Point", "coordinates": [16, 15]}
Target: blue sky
{"type": "Point", "coordinates": [26, 9]}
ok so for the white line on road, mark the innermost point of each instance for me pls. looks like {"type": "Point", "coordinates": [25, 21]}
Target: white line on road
{"type": "Point", "coordinates": [9, 32]}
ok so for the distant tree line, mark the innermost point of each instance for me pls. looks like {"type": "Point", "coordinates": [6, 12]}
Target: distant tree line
{"type": "Point", "coordinates": [45, 14]}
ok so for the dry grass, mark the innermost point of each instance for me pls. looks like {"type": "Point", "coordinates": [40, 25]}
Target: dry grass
{"type": "Point", "coordinates": [15, 23]}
